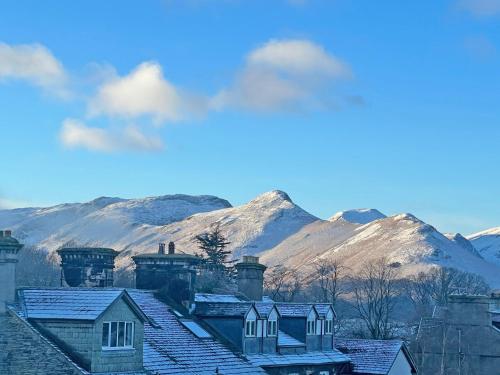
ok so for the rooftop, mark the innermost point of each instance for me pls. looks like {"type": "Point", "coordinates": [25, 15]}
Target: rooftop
{"type": "Point", "coordinates": [308, 358]}
{"type": "Point", "coordinates": [64, 303]}
{"type": "Point", "coordinates": [371, 356]}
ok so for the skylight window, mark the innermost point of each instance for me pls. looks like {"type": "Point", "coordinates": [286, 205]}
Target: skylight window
{"type": "Point", "coordinates": [196, 329]}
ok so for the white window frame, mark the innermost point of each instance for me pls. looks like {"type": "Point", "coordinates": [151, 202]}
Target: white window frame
{"type": "Point", "coordinates": [125, 324]}
{"type": "Point", "coordinates": [328, 326]}
{"type": "Point", "coordinates": [311, 327]}
{"type": "Point", "coordinates": [252, 324]}
{"type": "Point", "coordinates": [272, 328]}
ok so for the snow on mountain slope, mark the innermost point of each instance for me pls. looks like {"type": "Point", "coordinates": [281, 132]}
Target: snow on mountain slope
{"type": "Point", "coordinates": [251, 228]}
{"type": "Point", "coordinates": [487, 243]}
{"type": "Point", "coordinates": [463, 242]}
{"type": "Point", "coordinates": [404, 240]}
{"type": "Point", "coordinates": [103, 220]}
{"type": "Point", "coordinates": [358, 216]}
{"type": "Point", "coordinates": [270, 226]}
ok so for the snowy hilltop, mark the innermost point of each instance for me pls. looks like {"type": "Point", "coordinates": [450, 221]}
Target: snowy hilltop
{"type": "Point", "coordinates": [271, 226]}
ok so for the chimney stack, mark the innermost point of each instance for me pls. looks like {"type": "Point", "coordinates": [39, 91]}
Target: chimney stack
{"type": "Point", "coordinates": [250, 278]}
{"type": "Point", "coordinates": [161, 248]}
{"type": "Point", "coordinates": [9, 247]}
{"type": "Point", "coordinates": [171, 273]}
{"type": "Point", "coordinates": [87, 266]}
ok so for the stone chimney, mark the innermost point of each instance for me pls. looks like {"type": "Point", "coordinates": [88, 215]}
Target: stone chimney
{"type": "Point", "coordinates": [173, 274]}
{"type": "Point", "coordinates": [161, 248]}
{"type": "Point", "coordinates": [250, 278]}
{"type": "Point", "coordinates": [171, 247]}
{"type": "Point", "coordinates": [9, 247]}
{"type": "Point", "coordinates": [87, 266]}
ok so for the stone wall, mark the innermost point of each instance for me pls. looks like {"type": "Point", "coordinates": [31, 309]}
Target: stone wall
{"type": "Point", "coordinates": [460, 340]}
{"type": "Point", "coordinates": [24, 351]}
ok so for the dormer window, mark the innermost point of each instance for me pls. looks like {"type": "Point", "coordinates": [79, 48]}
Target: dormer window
{"type": "Point", "coordinates": [117, 335]}
{"type": "Point", "coordinates": [328, 326]}
{"type": "Point", "coordinates": [312, 318]}
{"type": "Point", "coordinates": [272, 327]}
{"type": "Point", "coordinates": [311, 327]}
{"type": "Point", "coordinates": [250, 328]}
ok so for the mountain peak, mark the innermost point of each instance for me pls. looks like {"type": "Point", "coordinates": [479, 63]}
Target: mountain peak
{"type": "Point", "coordinates": [359, 216]}
{"type": "Point", "coordinates": [272, 196]}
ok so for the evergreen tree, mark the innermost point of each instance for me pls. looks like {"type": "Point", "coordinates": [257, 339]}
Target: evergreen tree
{"type": "Point", "coordinates": [213, 246]}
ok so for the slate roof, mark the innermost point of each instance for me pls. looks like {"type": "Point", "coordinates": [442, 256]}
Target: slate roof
{"type": "Point", "coordinates": [372, 356]}
{"type": "Point", "coordinates": [322, 309]}
{"type": "Point", "coordinates": [75, 303]}
{"type": "Point", "coordinates": [208, 297]}
{"type": "Point", "coordinates": [173, 349]}
{"type": "Point", "coordinates": [285, 340]}
{"type": "Point", "coordinates": [308, 358]}
{"type": "Point", "coordinates": [227, 309]}
{"type": "Point", "coordinates": [264, 308]}
{"type": "Point", "coordinates": [294, 310]}
{"type": "Point", "coordinates": [64, 303]}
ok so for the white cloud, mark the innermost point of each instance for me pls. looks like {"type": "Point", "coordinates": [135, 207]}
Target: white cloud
{"type": "Point", "coordinates": [300, 57]}
{"type": "Point", "coordinates": [76, 134]}
{"type": "Point", "coordinates": [143, 92]}
{"type": "Point", "coordinates": [283, 75]}
{"type": "Point", "coordinates": [481, 8]}
{"type": "Point", "coordinates": [35, 64]}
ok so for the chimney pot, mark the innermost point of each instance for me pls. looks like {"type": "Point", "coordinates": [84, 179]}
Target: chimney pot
{"type": "Point", "coordinates": [8, 233]}
{"type": "Point", "coordinates": [171, 247]}
{"type": "Point", "coordinates": [161, 248]}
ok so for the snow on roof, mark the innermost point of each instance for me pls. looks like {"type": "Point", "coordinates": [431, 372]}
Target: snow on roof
{"type": "Point", "coordinates": [207, 297]}
{"type": "Point", "coordinates": [294, 310]}
{"type": "Point", "coordinates": [223, 308]}
{"type": "Point", "coordinates": [171, 348]}
{"type": "Point", "coordinates": [370, 356]}
{"type": "Point", "coordinates": [64, 303]}
{"type": "Point", "coordinates": [285, 340]}
{"type": "Point", "coordinates": [322, 309]}
{"type": "Point", "coordinates": [264, 308]}
{"type": "Point", "coordinates": [308, 358]}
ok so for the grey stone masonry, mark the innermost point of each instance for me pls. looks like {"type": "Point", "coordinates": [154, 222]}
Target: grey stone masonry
{"type": "Point", "coordinates": [9, 247]}
{"type": "Point", "coordinates": [460, 338]}
{"type": "Point", "coordinates": [24, 351]}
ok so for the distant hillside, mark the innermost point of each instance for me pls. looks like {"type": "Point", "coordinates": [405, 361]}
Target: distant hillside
{"type": "Point", "coordinates": [487, 243]}
{"type": "Point", "coordinates": [271, 226]}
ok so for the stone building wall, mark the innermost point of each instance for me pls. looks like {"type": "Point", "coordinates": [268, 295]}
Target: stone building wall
{"type": "Point", "coordinates": [24, 351]}
{"type": "Point", "coordinates": [461, 339]}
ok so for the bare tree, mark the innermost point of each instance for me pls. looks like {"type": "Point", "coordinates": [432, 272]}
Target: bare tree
{"type": "Point", "coordinates": [445, 281]}
{"type": "Point", "coordinates": [375, 293]}
{"type": "Point", "coordinates": [330, 274]}
{"type": "Point", "coordinates": [282, 284]}
{"type": "Point", "coordinates": [37, 267]}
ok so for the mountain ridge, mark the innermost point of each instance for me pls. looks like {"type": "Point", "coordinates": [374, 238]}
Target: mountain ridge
{"type": "Point", "coordinates": [271, 226]}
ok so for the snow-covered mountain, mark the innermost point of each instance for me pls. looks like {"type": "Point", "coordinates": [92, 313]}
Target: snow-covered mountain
{"type": "Point", "coordinates": [407, 242]}
{"type": "Point", "coordinates": [271, 226]}
{"type": "Point", "coordinates": [103, 220]}
{"type": "Point", "coordinates": [359, 216]}
{"type": "Point", "coordinates": [487, 243]}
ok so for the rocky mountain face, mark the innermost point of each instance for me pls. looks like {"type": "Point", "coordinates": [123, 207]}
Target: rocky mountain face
{"type": "Point", "coordinates": [270, 226]}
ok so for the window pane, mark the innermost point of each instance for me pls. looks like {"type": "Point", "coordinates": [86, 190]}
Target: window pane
{"type": "Point", "coordinates": [121, 334]}
{"type": "Point", "coordinates": [105, 334]}
{"type": "Point", "coordinates": [128, 334]}
{"type": "Point", "coordinates": [114, 331]}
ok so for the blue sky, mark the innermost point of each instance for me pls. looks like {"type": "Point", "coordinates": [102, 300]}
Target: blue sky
{"type": "Point", "coordinates": [342, 104]}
